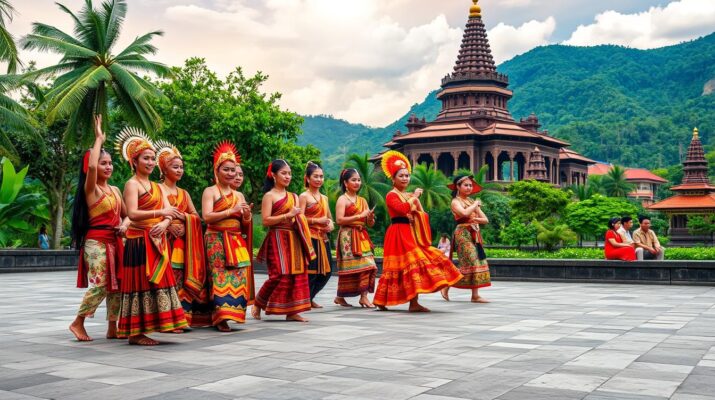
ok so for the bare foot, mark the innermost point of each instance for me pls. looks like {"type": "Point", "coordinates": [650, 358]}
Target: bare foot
{"type": "Point", "coordinates": [445, 293]}
{"type": "Point", "coordinates": [142, 340]}
{"type": "Point", "coordinates": [418, 308]}
{"type": "Point", "coordinates": [296, 317]}
{"type": "Point", "coordinates": [177, 331]}
{"type": "Point", "coordinates": [112, 331]}
{"type": "Point", "coordinates": [365, 303]}
{"type": "Point", "coordinates": [341, 302]}
{"type": "Point", "coordinates": [223, 326]}
{"type": "Point", "coordinates": [79, 332]}
{"type": "Point", "coordinates": [315, 305]}
{"type": "Point", "coordinates": [480, 299]}
{"type": "Point", "coordinates": [382, 308]}
{"type": "Point", "coordinates": [256, 312]}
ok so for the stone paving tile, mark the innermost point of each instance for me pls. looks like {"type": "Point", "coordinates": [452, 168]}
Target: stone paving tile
{"type": "Point", "coordinates": [534, 341]}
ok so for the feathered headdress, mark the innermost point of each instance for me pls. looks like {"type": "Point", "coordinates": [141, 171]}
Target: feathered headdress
{"type": "Point", "coordinates": [165, 153]}
{"type": "Point", "coordinates": [393, 161]}
{"type": "Point", "coordinates": [475, 186]}
{"type": "Point", "coordinates": [131, 142]}
{"type": "Point", "coordinates": [225, 151]}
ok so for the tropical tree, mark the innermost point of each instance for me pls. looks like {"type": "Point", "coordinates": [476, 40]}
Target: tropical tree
{"type": "Point", "coordinates": [90, 73]}
{"type": "Point", "coordinates": [12, 116]}
{"type": "Point", "coordinates": [552, 234]}
{"type": "Point", "coordinates": [8, 50]}
{"type": "Point", "coordinates": [615, 183]}
{"type": "Point", "coordinates": [589, 218]}
{"type": "Point", "coordinates": [595, 182]}
{"type": "Point", "coordinates": [582, 192]}
{"type": "Point", "coordinates": [531, 199]}
{"type": "Point", "coordinates": [374, 188]}
{"type": "Point", "coordinates": [518, 234]}
{"type": "Point", "coordinates": [435, 194]}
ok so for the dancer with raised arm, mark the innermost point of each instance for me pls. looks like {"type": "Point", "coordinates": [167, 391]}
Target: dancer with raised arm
{"type": "Point", "coordinates": [411, 266]}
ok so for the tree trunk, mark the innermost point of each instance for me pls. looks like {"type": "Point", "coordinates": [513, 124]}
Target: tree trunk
{"type": "Point", "coordinates": [58, 224]}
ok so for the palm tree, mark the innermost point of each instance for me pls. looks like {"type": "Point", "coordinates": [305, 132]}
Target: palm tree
{"type": "Point", "coordinates": [434, 184]}
{"type": "Point", "coordinates": [90, 74]}
{"type": "Point", "coordinates": [481, 178]}
{"type": "Point", "coordinates": [12, 114]}
{"type": "Point", "coordinates": [595, 182]}
{"type": "Point", "coordinates": [582, 192]}
{"type": "Point", "coordinates": [615, 183]}
{"type": "Point", "coordinates": [8, 50]}
{"type": "Point", "coordinates": [374, 187]}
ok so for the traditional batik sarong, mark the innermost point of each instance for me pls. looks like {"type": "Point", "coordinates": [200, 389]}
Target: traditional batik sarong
{"type": "Point", "coordinates": [100, 257]}
{"type": "Point", "coordinates": [230, 264]}
{"type": "Point", "coordinates": [287, 251]}
{"type": "Point", "coordinates": [409, 269]}
{"type": "Point", "coordinates": [149, 299]}
{"type": "Point", "coordinates": [467, 241]}
{"type": "Point", "coordinates": [356, 262]}
{"type": "Point", "coordinates": [320, 268]}
{"type": "Point", "coordinates": [188, 263]}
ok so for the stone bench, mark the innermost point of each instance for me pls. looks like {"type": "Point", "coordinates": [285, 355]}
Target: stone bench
{"type": "Point", "coordinates": [668, 272]}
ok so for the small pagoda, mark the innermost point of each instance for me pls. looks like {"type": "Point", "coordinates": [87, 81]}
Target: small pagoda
{"type": "Point", "coordinates": [475, 127]}
{"type": "Point", "coordinates": [694, 196]}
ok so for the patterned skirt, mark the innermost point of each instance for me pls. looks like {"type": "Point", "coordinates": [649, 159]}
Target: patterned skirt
{"type": "Point", "coordinates": [146, 307]}
{"type": "Point", "coordinates": [472, 261]}
{"type": "Point", "coordinates": [409, 270]}
{"type": "Point", "coordinates": [197, 311]}
{"type": "Point", "coordinates": [356, 274]}
{"type": "Point", "coordinates": [229, 286]}
{"type": "Point", "coordinates": [283, 293]}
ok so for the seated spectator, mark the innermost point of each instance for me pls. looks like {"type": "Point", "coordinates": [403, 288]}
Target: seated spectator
{"type": "Point", "coordinates": [625, 233]}
{"type": "Point", "coordinates": [445, 246]}
{"type": "Point", "coordinates": [614, 248]}
{"type": "Point", "coordinates": [647, 242]}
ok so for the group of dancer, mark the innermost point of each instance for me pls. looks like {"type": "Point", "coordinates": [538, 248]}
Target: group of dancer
{"type": "Point", "coordinates": [146, 252]}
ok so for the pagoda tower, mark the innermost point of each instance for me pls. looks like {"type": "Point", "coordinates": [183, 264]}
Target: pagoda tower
{"type": "Point", "coordinates": [537, 167]}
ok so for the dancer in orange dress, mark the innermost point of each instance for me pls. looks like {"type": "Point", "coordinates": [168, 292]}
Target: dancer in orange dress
{"type": "Point", "coordinates": [320, 220]}
{"type": "Point", "coordinates": [467, 239]}
{"type": "Point", "coordinates": [149, 299]}
{"type": "Point", "coordinates": [186, 242]}
{"type": "Point", "coordinates": [229, 218]}
{"type": "Point", "coordinates": [97, 230]}
{"type": "Point", "coordinates": [356, 262]}
{"type": "Point", "coordinates": [410, 265]}
{"type": "Point", "coordinates": [286, 250]}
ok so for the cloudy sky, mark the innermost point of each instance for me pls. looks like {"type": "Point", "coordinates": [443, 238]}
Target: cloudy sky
{"type": "Point", "coordinates": [368, 61]}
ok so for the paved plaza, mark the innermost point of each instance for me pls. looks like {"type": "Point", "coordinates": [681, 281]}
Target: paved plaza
{"type": "Point", "coordinates": [535, 341]}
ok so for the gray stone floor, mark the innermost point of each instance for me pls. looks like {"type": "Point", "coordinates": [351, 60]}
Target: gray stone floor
{"type": "Point", "coordinates": [535, 341]}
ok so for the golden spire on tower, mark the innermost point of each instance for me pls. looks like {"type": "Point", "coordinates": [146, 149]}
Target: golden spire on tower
{"type": "Point", "coordinates": [475, 10]}
{"type": "Point", "coordinates": [695, 133]}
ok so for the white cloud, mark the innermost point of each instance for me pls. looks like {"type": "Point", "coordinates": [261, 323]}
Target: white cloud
{"type": "Point", "coordinates": [659, 26]}
{"type": "Point", "coordinates": [508, 41]}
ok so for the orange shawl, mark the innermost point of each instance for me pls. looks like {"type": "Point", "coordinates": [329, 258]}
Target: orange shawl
{"type": "Point", "coordinates": [105, 217]}
{"type": "Point", "coordinates": [157, 249]}
{"type": "Point", "coordinates": [187, 252]}
{"type": "Point", "coordinates": [300, 225]}
{"type": "Point", "coordinates": [360, 239]}
{"type": "Point", "coordinates": [319, 210]}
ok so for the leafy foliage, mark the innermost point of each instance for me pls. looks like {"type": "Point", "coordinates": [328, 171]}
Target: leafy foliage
{"type": "Point", "coordinates": [552, 234]}
{"type": "Point", "coordinates": [20, 212]}
{"type": "Point", "coordinates": [702, 225]}
{"type": "Point", "coordinates": [589, 218]}
{"type": "Point", "coordinates": [434, 183]}
{"type": "Point", "coordinates": [518, 234]}
{"type": "Point", "coordinates": [615, 183]}
{"type": "Point", "coordinates": [536, 200]}
{"type": "Point", "coordinates": [8, 49]}
{"type": "Point", "coordinates": [590, 253]}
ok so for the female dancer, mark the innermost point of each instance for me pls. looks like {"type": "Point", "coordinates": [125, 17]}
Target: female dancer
{"type": "Point", "coordinates": [186, 242]}
{"type": "Point", "coordinates": [356, 263]}
{"type": "Point", "coordinates": [286, 250]}
{"type": "Point", "coordinates": [316, 210]}
{"type": "Point", "coordinates": [467, 238]}
{"type": "Point", "coordinates": [97, 228]}
{"type": "Point", "coordinates": [149, 299]}
{"type": "Point", "coordinates": [410, 265]}
{"type": "Point", "coordinates": [228, 216]}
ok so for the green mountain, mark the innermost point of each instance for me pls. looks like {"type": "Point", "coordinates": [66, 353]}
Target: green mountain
{"type": "Point", "coordinates": [626, 106]}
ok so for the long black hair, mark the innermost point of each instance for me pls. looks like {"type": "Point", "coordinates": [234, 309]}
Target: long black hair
{"type": "Point", "coordinates": [455, 182]}
{"type": "Point", "coordinates": [80, 209]}
{"type": "Point", "coordinates": [612, 222]}
{"type": "Point", "coordinates": [276, 165]}
{"type": "Point", "coordinates": [345, 175]}
{"type": "Point", "coordinates": [309, 169]}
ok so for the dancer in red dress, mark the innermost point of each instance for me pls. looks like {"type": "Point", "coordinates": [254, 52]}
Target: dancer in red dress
{"type": "Point", "coordinates": [410, 265]}
{"type": "Point", "coordinates": [287, 249]}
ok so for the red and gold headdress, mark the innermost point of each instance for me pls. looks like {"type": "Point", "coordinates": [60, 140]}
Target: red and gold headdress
{"type": "Point", "coordinates": [475, 186]}
{"type": "Point", "coordinates": [225, 151]}
{"type": "Point", "coordinates": [131, 142]}
{"type": "Point", "coordinates": [393, 161]}
{"type": "Point", "coordinates": [165, 153]}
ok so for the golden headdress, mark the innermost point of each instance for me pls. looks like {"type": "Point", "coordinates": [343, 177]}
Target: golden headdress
{"type": "Point", "coordinates": [225, 151]}
{"type": "Point", "coordinates": [393, 161]}
{"type": "Point", "coordinates": [131, 142]}
{"type": "Point", "coordinates": [165, 153]}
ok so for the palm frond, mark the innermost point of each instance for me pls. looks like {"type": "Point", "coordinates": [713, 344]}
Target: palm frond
{"type": "Point", "coordinates": [113, 14]}
{"type": "Point", "coordinates": [141, 45]}
{"type": "Point", "coordinates": [64, 103]}
{"type": "Point", "coordinates": [128, 81]}
{"type": "Point", "coordinates": [8, 50]}
{"type": "Point", "coordinates": [155, 68]}
{"type": "Point", "coordinates": [46, 43]}
{"type": "Point", "coordinates": [53, 32]}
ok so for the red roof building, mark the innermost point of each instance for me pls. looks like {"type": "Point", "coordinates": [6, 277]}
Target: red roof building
{"type": "Point", "coordinates": [695, 195]}
{"type": "Point", "coordinates": [475, 128]}
{"type": "Point", "coordinates": [645, 183]}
